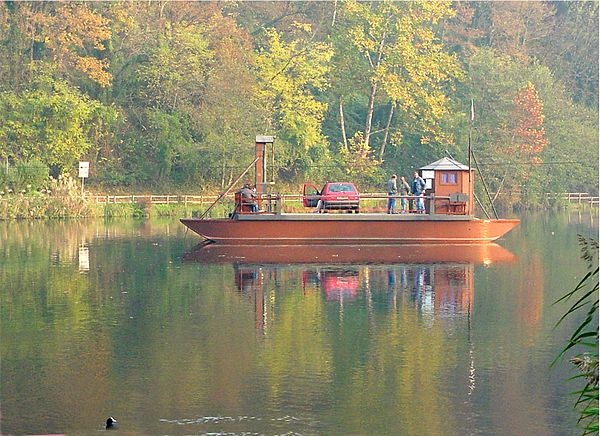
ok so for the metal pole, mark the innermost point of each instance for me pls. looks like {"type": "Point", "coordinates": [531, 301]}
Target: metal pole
{"type": "Point", "coordinates": [485, 187]}
{"type": "Point", "coordinates": [471, 188]}
{"type": "Point", "coordinates": [481, 206]}
{"type": "Point", "coordinates": [469, 163]}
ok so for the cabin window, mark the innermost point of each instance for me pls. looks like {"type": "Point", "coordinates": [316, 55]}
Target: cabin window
{"type": "Point", "coordinates": [448, 178]}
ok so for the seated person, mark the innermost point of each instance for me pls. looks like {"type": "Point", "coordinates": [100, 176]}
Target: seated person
{"type": "Point", "coordinates": [249, 198]}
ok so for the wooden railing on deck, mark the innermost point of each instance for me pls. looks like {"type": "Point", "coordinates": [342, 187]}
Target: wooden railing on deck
{"type": "Point", "coordinates": [282, 199]}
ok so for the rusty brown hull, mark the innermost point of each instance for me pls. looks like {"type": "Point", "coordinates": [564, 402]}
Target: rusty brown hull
{"type": "Point", "coordinates": [347, 254]}
{"type": "Point", "coordinates": [350, 229]}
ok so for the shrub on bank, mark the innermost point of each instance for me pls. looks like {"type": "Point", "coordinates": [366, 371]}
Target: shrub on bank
{"type": "Point", "coordinates": [24, 177]}
{"type": "Point", "coordinates": [41, 206]}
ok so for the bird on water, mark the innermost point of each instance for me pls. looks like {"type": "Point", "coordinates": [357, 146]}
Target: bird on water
{"type": "Point", "coordinates": [111, 423]}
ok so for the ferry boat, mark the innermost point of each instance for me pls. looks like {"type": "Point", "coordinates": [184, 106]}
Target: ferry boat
{"type": "Point", "coordinates": [449, 217]}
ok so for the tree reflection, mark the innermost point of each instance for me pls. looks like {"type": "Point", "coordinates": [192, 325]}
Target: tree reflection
{"type": "Point", "coordinates": [403, 353]}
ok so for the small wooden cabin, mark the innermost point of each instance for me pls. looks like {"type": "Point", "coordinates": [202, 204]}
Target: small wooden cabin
{"type": "Point", "coordinates": [449, 178]}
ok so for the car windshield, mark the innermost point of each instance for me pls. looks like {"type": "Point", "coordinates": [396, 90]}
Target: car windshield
{"type": "Point", "coordinates": [341, 187]}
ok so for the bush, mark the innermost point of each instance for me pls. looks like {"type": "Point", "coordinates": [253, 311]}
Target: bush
{"type": "Point", "coordinates": [25, 176]}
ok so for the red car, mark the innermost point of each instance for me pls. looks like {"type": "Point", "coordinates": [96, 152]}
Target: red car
{"type": "Point", "coordinates": [334, 196]}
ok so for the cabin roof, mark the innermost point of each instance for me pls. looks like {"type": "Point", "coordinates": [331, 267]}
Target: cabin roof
{"type": "Point", "coordinates": [445, 164]}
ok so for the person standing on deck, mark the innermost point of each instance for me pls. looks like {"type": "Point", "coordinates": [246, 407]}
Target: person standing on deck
{"type": "Point", "coordinates": [392, 191]}
{"type": "Point", "coordinates": [418, 189]}
{"type": "Point", "coordinates": [404, 191]}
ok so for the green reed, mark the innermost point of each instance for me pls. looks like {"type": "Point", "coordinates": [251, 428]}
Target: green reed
{"type": "Point", "coordinates": [585, 336]}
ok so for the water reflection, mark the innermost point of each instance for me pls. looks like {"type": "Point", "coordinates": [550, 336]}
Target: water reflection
{"type": "Point", "coordinates": [436, 280]}
{"type": "Point", "coordinates": [351, 254]}
{"type": "Point", "coordinates": [440, 290]}
{"type": "Point", "coordinates": [102, 318]}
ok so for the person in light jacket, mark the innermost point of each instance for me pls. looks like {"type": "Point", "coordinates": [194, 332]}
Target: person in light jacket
{"type": "Point", "coordinates": [392, 191]}
{"type": "Point", "coordinates": [404, 191]}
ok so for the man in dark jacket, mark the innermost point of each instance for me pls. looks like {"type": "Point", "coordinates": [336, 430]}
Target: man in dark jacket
{"type": "Point", "coordinates": [418, 190]}
{"type": "Point", "coordinates": [249, 197]}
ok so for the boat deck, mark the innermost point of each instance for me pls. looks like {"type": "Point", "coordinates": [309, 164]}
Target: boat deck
{"type": "Point", "coordinates": [351, 217]}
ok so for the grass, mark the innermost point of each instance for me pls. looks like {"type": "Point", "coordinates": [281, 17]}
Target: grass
{"type": "Point", "coordinates": [585, 297]}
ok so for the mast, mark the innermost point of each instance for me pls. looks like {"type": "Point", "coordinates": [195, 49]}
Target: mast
{"type": "Point", "coordinates": [471, 119]}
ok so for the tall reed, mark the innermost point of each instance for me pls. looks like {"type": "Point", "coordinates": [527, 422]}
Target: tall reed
{"type": "Point", "coordinates": [585, 336]}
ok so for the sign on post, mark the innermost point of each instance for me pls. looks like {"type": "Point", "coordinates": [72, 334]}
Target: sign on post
{"type": "Point", "coordinates": [84, 171]}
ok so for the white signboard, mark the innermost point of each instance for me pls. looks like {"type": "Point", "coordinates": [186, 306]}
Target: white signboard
{"type": "Point", "coordinates": [84, 169]}
{"type": "Point", "coordinates": [428, 176]}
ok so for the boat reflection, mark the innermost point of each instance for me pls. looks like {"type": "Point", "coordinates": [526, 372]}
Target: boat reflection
{"type": "Point", "coordinates": [437, 281]}
{"type": "Point", "coordinates": [350, 254]}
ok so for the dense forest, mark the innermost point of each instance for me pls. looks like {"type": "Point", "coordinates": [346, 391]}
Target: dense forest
{"type": "Point", "coordinates": [170, 95]}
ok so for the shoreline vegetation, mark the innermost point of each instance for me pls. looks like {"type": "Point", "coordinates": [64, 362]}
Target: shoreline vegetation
{"type": "Point", "coordinates": [38, 205]}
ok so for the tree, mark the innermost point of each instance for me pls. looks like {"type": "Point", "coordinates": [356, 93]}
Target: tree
{"type": "Point", "coordinates": [528, 133]}
{"type": "Point", "coordinates": [289, 75]}
{"type": "Point", "coordinates": [571, 50]}
{"type": "Point", "coordinates": [69, 35]}
{"type": "Point", "coordinates": [401, 62]}
{"type": "Point", "coordinates": [52, 122]}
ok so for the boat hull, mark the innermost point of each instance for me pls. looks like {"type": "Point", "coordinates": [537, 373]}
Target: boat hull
{"type": "Point", "coordinates": [350, 229]}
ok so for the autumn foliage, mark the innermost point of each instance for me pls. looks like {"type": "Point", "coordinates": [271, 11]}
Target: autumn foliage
{"type": "Point", "coordinates": [529, 134]}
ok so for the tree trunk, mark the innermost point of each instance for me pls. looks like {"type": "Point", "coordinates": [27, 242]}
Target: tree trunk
{"type": "Point", "coordinates": [230, 179]}
{"type": "Point", "coordinates": [223, 173]}
{"type": "Point", "coordinates": [334, 13]}
{"type": "Point", "coordinates": [342, 125]}
{"type": "Point", "coordinates": [386, 132]}
{"type": "Point", "coordinates": [370, 111]}
{"type": "Point", "coordinates": [373, 93]}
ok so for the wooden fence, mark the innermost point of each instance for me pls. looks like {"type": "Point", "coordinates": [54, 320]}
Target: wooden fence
{"type": "Point", "coordinates": [170, 198]}
{"type": "Point", "coordinates": [154, 199]}
{"type": "Point", "coordinates": [571, 197]}
{"type": "Point", "coordinates": [575, 197]}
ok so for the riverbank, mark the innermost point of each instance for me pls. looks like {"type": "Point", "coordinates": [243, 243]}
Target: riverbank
{"type": "Point", "coordinates": [20, 207]}
{"type": "Point", "coordinates": [43, 206]}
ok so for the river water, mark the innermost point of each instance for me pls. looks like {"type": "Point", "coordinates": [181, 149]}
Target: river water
{"type": "Point", "coordinates": [124, 318]}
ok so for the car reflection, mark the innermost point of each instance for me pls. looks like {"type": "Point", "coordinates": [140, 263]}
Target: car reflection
{"type": "Point", "coordinates": [336, 284]}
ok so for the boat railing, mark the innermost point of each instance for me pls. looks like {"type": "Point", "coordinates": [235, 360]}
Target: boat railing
{"type": "Point", "coordinates": [276, 203]}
